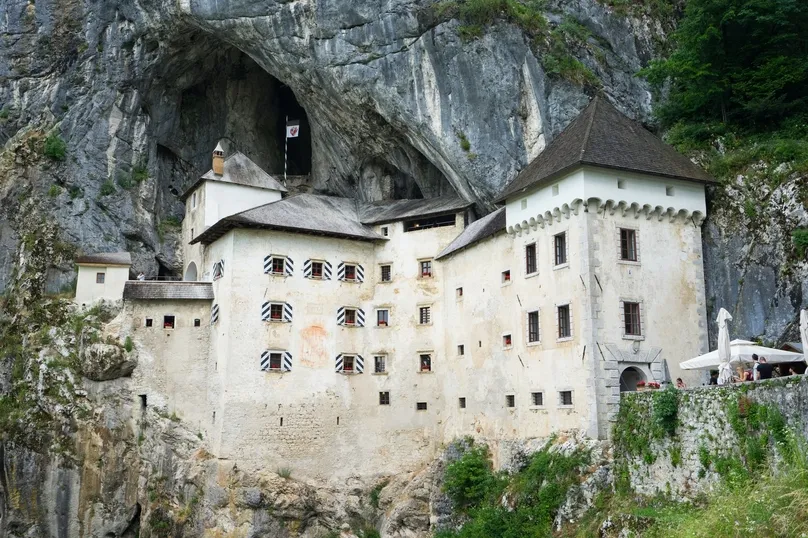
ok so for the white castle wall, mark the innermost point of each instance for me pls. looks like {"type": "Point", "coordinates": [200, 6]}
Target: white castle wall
{"type": "Point", "coordinates": [88, 290]}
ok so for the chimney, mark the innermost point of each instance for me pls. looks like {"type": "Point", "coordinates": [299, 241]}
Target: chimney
{"type": "Point", "coordinates": [218, 160]}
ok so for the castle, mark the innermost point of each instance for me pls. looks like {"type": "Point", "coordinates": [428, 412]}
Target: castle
{"type": "Point", "coordinates": [346, 338]}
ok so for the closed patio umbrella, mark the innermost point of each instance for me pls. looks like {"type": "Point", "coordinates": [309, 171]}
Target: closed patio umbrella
{"type": "Point", "coordinates": [724, 370]}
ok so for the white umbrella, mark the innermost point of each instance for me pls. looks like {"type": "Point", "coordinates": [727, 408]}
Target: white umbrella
{"type": "Point", "coordinates": [741, 352]}
{"type": "Point", "coordinates": [724, 371]}
{"type": "Point", "coordinates": [804, 330]}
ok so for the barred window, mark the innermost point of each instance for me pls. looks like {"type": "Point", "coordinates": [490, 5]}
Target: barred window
{"type": "Point", "coordinates": [424, 315]}
{"type": "Point", "coordinates": [537, 398]}
{"type": "Point", "coordinates": [426, 268]}
{"type": "Point", "coordinates": [420, 406]}
{"type": "Point", "coordinates": [565, 397]}
{"type": "Point", "coordinates": [347, 363]}
{"type": "Point", "coordinates": [510, 400]}
{"type": "Point", "coordinates": [278, 265]}
{"type": "Point", "coordinates": [316, 269]}
{"type": "Point", "coordinates": [100, 278]}
{"type": "Point", "coordinates": [380, 364]}
{"type": "Point", "coordinates": [384, 398]}
{"type": "Point", "coordinates": [386, 273]}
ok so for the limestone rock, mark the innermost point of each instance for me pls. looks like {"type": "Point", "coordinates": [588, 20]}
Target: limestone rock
{"type": "Point", "coordinates": [103, 362]}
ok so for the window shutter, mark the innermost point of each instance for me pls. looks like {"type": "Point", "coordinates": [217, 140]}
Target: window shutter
{"type": "Point", "coordinates": [268, 264]}
{"type": "Point", "coordinates": [286, 365]}
{"type": "Point", "coordinates": [326, 270]}
{"type": "Point", "coordinates": [307, 269]}
{"type": "Point", "coordinates": [341, 315]}
{"type": "Point", "coordinates": [214, 314]}
{"type": "Point", "coordinates": [341, 271]}
{"type": "Point", "coordinates": [637, 245]}
{"type": "Point", "coordinates": [289, 268]}
{"type": "Point", "coordinates": [338, 364]}
{"type": "Point", "coordinates": [360, 273]}
{"type": "Point", "coordinates": [265, 361]}
{"type": "Point", "coordinates": [218, 270]}
{"type": "Point", "coordinates": [572, 329]}
{"type": "Point", "coordinates": [287, 313]}
{"type": "Point", "coordinates": [623, 318]}
{"type": "Point", "coordinates": [360, 317]}
{"type": "Point", "coordinates": [360, 364]}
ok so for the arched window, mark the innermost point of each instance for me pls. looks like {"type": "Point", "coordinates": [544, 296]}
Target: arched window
{"type": "Point", "coordinates": [190, 272]}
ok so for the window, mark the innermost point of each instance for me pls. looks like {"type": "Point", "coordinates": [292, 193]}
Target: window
{"type": "Point", "coordinates": [382, 317]}
{"type": "Point", "coordinates": [197, 322]}
{"type": "Point", "coordinates": [149, 322]}
{"type": "Point", "coordinates": [380, 364]}
{"type": "Point", "coordinates": [192, 233]}
{"type": "Point", "coordinates": [461, 350]}
{"type": "Point", "coordinates": [506, 340]}
{"type": "Point", "coordinates": [461, 402]}
{"type": "Point", "coordinates": [350, 316]}
{"type": "Point", "coordinates": [523, 203]}
{"type": "Point", "coordinates": [533, 326]}
{"type": "Point", "coordinates": [350, 272]}
{"type": "Point", "coordinates": [631, 317]}
{"type": "Point", "coordinates": [564, 328]}
{"type": "Point", "coordinates": [506, 277]}
{"type": "Point", "coordinates": [530, 259]}
{"type": "Point", "coordinates": [510, 400]}
{"type": "Point", "coordinates": [385, 231]}
{"type": "Point", "coordinates": [275, 361]}
{"type": "Point", "coordinates": [420, 406]}
{"type": "Point", "coordinates": [168, 322]}
{"type": "Point", "coordinates": [384, 398]}
{"type": "Point", "coordinates": [278, 265]}
{"type": "Point", "coordinates": [426, 268]}
{"type": "Point", "coordinates": [424, 315]}
{"type": "Point", "coordinates": [316, 269]}
{"type": "Point", "coordinates": [628, 244]}
{"type": "Point", "coordinates": [669, 191]}
{"type": "Point", "coordinates": [348, 363]}
{"type": "Point", "coordinates": [193, 200]}
{"type": "Point", "coordinates": [621, 183]}
{"type": "Point", "coordinates": [425, 224]}
{"type": "Point", "coordinates": [459, 293]}
{"type": "Point", "coordinates": [555, 190]}
{"type": "Point", "coordinates": [386, 273]}
{"type": "Point", "coordinates": [269, 312]}
{"type": "Point", "coordinates": [565, 397]}
{"type": "Point", "coordinates": [537, 398]}
{"type": "Point", "coordinates": [425, 362]}
{"type": "Point", "coordinates": [560, 247]}
{"type": "Point", "coordinates": [100, 277]}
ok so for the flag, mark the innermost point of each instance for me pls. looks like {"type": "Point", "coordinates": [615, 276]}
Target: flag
{"type": "Point", "coordinates": [292, 128]}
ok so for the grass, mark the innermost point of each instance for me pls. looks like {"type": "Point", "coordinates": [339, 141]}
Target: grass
{"type": "Point", "coordinates": [284, 472]}
{"type": "Point", "coordinates": [128, 345]}
{"type": "Point", "coordinates": [54, 191]}
{"type": "Point", "coordinates": [55, 147]}
{"type": "Point", "coordinates": [107, 188]}
{"type": "Point", "coordinates": [168, 224]}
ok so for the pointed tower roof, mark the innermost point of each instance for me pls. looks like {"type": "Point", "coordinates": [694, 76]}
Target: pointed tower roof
{"type": "Point", "coordinates": [218, 148]}
{"type": "Point", "coordinates": [603, 136]}
{"type": "Point", "coordinates": [241, 170]}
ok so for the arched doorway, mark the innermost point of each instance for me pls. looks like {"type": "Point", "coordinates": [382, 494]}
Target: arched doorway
{"type": "Point", "coordinates": [190, 272]}
{"type": "Point", "coordinates": [629, 379]}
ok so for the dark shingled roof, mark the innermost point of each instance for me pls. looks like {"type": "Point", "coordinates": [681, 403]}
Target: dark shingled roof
{"type": "Point", "coordinates": [476, 231]}
{"type": "Point", "coordinates": [156, 290]}
{"type": "Point", "coordinates": [307, 213]}
{"type": "Point", "coordinates": [392, 210]}
{"type": "Point", "coordinates": [239, 169]}
{"type": "Point", "coordinates": [603, 136]}
{"type": "Point", "coordinates": [107, 258]}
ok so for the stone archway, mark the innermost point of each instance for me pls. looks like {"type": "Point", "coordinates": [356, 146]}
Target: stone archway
{"type": "Point", "coordinates": [190, 272]}
{"type": "Point", "coordinates": [629, 379]}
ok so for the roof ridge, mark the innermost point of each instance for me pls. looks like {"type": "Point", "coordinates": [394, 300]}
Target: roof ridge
{"type": "Point", "coordinates": [585, 143]}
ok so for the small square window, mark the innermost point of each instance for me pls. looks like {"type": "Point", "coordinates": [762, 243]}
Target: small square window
{"type": "Point", "coordinates": [621, 183]}
{"type": "Point", "coordinates": [564, 325]}
{"type": "Point", "coordinates": [384, 398]}
{"type": "Point", "coordinates": [510, 400]}
{"type": "Point", "coordinates": [459, 293]}
{"type": "Point", "coordinates": [380, 364]}
{"type": "Point", "coordinates": [385, 231]}
{"type": "Point", "coordinates": [276, 312]}
{"type": "Point", "coordinates": [669, 191]}
{"type": "Point", "coordinates": [386, 273]}
{"type": "Point", "coordinates": [100, 278]}
{"type": "Point", "coordinates": [382, 317]}
{"type": "Point", "coordinates": [316, 269]}
{"type": "Point", "coordinates": [426, 268]}
{"type": "Point", "coordinates": [555, 189]}
{"type": "Point", "coordinates": [506, 340]}
{"type": "Point", "coordinates": [424, 315]}
{"type": "Point", "coordinates": [278, 265]}
{"type": "Point", "coordinates": [275, 361]}
{"type": "Point", "coordinates": [530, 259]}
{"type": "Point", "coordinates": [560, 248]}
{"type": "Point", "coordinates": [565, 397]}
{"type": "Point", "coordinates": [149, 322]}
{"type": "Point", "coordinates": [420, 406]}
{"type": "Point", "coordinates": [348, 363]}
{"type": "Point", "coordinates": [461, 350]}
{"type": "Point", "coordinates": [350, 272]}
{"type": "Point", "coordinates": [425, 362]}
{"type": "Point", "coordinates": [506, 276]}
{"type": "Point", "coordinates": [461, 402]}
{"type": "Point", "coordinates": [197, 322]}
{"type": "Point", "coordinates": [168, 322]}
{"type": "Point", "coordinates": [523, 203]}
{"type": "Point", "coordinates": [537, 398]}
{"type": "Point", "coordinates": [350, 316]}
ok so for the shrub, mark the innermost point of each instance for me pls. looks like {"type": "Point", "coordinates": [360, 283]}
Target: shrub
{"type": "Point", "coordinates": [128, 345]}
{"type": "Point", "coordinates": [469, 480]}
{"type": "Point", "coordinates": [800, 239]}
{"type": "Point", "coordinates": [666, 409]}
{"type": "Point", "coordinates": [140, 173]}
{"type": "Point", "coordinates": [74, 191]}
{"type": "Point", "coordinates": [465, 145]}
{"type": "Point", "coordinates": [284, 472]}
{"type": "Point", "coordinates": [54, 191]}
{"type": "Point", "coordinates": [375, 492]}
{"type": "Point", "coordinates": [107, 188]}
{"type": "Point", "coordinates": [55, 147]}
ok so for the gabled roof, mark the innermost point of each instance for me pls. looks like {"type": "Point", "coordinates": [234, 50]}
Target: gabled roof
{"type": "Point", "coordinates": [476, 231]}
{"type": "Point", "coordinates": [156, 290]}
{"type": "Point", "coordinates": [306, 213]}
{"type": "Point", "coordinates": [603, 136]}
{"type": "Point", "coordinates": [106, 258]}
{"type": "Point", "coordinates": [392, 210]}
{"type": "Point", "coordinates": [240, 170]}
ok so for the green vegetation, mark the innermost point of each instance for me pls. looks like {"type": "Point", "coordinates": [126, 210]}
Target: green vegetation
{"type": "Point", "coordinates": [107, 188]}
{"type": "Point", "coordinates": [284, 472]}
{"type": "Point", "coordinates": [375, 492]}
{"type": "Point", "coordinates": [54, 191]}
{"type": "Point", "coordinates": [533, 494]}
{"type": "Point", "coordinates": [4, 113]}
{"type": "Point", "coordinates": [666, 409]}
{"type": "Point", "coordinates": [167, 225]}
{"type": "Point", "coordinates": [128, 345]}
{"type": "Point", "coordinates": [800, 239]}
{"type": "Point", "coordinates": [125, 182]}
{"type": "Point", "coordinates": [74, 191]}
{"type": "Point", "coordinates": [140, 173]}
{"type": "Point", "coordinates": [55, 147]}
{"type": "Point", "coordinates": [465, 145]}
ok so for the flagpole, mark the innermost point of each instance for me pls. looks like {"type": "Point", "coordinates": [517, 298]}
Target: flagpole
{"type": "Point", "coordinates": [285, 144]}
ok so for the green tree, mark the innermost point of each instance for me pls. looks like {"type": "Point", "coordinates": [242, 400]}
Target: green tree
{"type": "Point", "coordinates": [742, 62]}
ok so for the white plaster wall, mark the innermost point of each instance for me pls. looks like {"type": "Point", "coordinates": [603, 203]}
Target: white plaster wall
{"type": "Point", "coordinates": [193, 225]}
{"type": "Point", "coordinates": [225, 199]}
{"type": "Point", "coordinates": [88, 291]}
